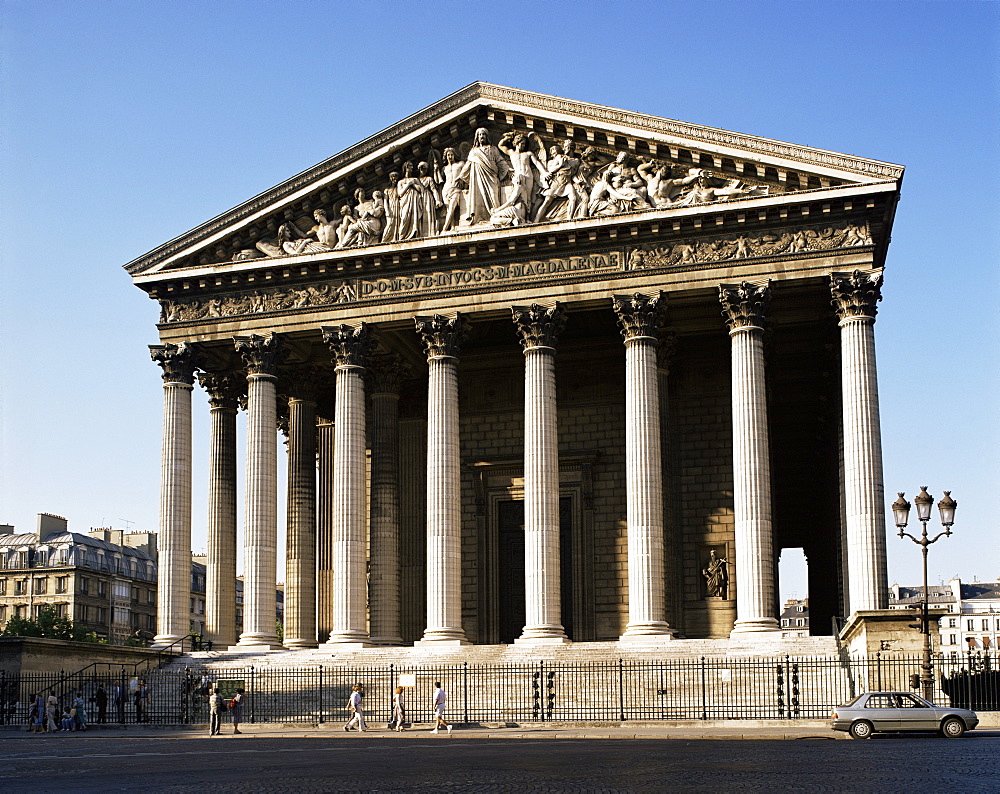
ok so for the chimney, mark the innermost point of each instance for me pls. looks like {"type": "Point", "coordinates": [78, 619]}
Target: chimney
{"type": "Point", "coordinates": [6, 529]}
{"type": "Point", "coordinates": [49, 525]}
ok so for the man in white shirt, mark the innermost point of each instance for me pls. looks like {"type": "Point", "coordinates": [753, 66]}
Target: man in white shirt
{"type": "Point", "coordinates": [440, 698]}
{"type": "Point", "coordinates": [354, 705]}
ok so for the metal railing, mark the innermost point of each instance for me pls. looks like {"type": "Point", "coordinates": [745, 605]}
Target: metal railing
{"type": "Point", "coordinates": [780, 688]}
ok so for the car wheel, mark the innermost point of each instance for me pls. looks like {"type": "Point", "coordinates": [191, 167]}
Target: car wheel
{"type": "Point", "coordinates": [861, 730]}
{"type": "Point", "coordinates": [952, 728]}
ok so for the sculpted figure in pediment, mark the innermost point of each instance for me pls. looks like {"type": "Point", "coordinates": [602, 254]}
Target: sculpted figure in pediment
{"type": "Point", "coordinates": [485, 169]}
{"type": "Point", "coordinates": [705, 191]}
{"type": "Point", "coordinates": [431, 201]}
{"type": "Point", "coordinates": [365, 224]}
{"type": "Point", "coordinates": [564, 182]}
{"type": "Point", "coordinates": [411, 202]}
{"type": "Point", "coordinates": [391, 206]}
{"type": "Point", "coordinates": [455, 189]}
{"type": "Point", "coordinates": [324, 231]}
{"type": "Point", "coordinates": [291, 242]}
{"type": "Point", "coordinates": [614, 195]}
{"type": "Point", "coordinates": [528, 169]}
{"type": "Point", "coordinates": [662, 187]}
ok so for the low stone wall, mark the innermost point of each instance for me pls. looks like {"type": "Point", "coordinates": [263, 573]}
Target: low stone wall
{"type": "Point", "coordinates": [34, 655]}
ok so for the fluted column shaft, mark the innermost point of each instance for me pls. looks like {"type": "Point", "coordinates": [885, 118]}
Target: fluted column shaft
{"type": "Point", "coordinates": [539, 327]}
{"type": "Point", "coordinates": [300, 558]}
{"type": "Point", "coordinates": [755, 575]}
{"type": "Point", "coordinates": [260, 511]}
{"type": "Point", "coordinates": [174, 543]}
{"type": "Point", "coordinates": [384, 591]}
{"type": "Point", "coordinates": [855, 296]}
{"type": "Point", "coordinates": [220, 568]}
{"type": "Point", "coordinates": [324, 542]}
{"type": "Point", "coordinates": [638, 316]}
{"type": "Point", "coordinates": [350, 554]}
{"type": "Point", "coordinates": [442, 338]}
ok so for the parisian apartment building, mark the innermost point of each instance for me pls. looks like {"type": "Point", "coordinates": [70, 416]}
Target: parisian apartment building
{"type": "Point", "coordinates": [972, 622]}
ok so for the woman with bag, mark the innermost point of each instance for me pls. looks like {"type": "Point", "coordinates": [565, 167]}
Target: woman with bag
{"type": "Point", "coordinates": [354, 705]}
{"type": "Point", "coordinates": [398, 710]}
{"type": "Point", "coordinates": [236, 705]}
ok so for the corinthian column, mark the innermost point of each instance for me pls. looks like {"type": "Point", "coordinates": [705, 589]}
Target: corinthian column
{"type": "Point", "coordinates": [386, 374]}
{"type": "Point", "coordinates": [173, 590]}
{"type": "Point", "coordinates": [442, 337]}
{"type": "Point", "coordinates": [260, 537]}
{"type": "Point", "coordinates": [855, 296]}
{"type": "Point", "coordinates": [325, 432]}
{"type": "Point", "coordinates": [538, 327]}
{"type": "Point", "coordinates": [300, 556]}
{"type": "Point", "coordinates": [743, 307]}
{"type": "Point", "coordinates": [639, 317]}
{"type": "Point", "coordinates": [349, 346]}
{"type": "Point", "coordinates": [224, 391]}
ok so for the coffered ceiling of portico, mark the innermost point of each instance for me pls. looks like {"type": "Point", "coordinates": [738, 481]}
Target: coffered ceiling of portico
{"type": "Point", "coordinates": [435, 179]}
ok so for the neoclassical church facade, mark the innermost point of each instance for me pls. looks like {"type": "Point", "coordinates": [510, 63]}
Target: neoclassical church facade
{"type": "Point", "coordinates": [548, 372]}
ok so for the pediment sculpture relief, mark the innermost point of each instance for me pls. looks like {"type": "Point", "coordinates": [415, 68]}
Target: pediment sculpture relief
{"type": "Point", "coordinates": [515, 181]}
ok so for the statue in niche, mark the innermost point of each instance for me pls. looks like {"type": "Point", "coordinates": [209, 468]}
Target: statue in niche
{"type": "Point", "coordinates": [365, 227]}
{"type": "Point", "coordinates": [391, 206]}
{"type": "Point", "coordinates": [410, 191]}
{"type": "Point", "coordinates": [485, 169]}
{"type": "Point", "coordinates": [662, 188]}
{"type": "Point", "coordinates": [528, 169]}
{"type": "Point", "coordinates": [324, 231]}
{"type": "Point", "coordinates": [716, 573]}
{"type": "Point", "coordinates": [431, 200]}
{"type": "Point", "coordinates": [704, 191]}
{"type": "Point", "coordinates": [563, 183]}
{"type": "Point", "coordinates": [454, 191]}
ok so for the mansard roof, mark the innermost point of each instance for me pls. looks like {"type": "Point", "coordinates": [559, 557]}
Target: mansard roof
{"type": "Point", "coordinates": [735, 166]}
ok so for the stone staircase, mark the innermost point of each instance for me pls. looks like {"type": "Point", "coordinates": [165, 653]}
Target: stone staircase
{"type": "Point", "coordinates": [597, 681]}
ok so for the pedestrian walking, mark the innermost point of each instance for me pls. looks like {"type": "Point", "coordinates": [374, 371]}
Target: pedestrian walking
{"type": "Point", "coordinates": [398, 709]}
{"type": "Point", "coordinates": [141, 701]}
{"type": "Point", "coordinates": [440, 699]}
{"type": "Point", "coordinates": [35, 712]}
{"type": "Point", "coordinates": [237, 707]}
{"type": "Point", "coordinates": [356, 706]}
{"type": "Point", "coordinates": [216, 705]}
{"type": "Point", "coordinates": [102, 704]}
{"type": "Point", "coordinates": [51, 711]}
{"type": "Point", "coordinates": [120, 698]}
{"type": "Point", "coordinates": [79, 712]}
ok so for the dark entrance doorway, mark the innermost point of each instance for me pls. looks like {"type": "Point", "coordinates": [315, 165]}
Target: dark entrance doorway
{"type": "Point", "coordinates": [510, 525]}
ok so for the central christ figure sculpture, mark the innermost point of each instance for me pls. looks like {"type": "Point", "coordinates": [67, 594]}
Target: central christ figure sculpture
{"type": "Point", "coordinates": [484, 170]}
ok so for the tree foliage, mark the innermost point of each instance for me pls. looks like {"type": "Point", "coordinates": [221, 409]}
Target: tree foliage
{"type": "Point", "coordinates": [49, 625]}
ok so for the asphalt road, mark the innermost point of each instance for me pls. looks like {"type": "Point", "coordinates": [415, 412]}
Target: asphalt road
{"type": "Point", "coordinates": [441, 764]}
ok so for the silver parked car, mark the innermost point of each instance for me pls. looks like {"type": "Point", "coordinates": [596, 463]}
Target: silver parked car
{"type": "Point", "coordinates": [875, 712]}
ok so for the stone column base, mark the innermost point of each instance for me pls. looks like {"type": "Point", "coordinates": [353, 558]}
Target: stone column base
{"type": "Point", "coordinates": [441, 643]}
{"type": "Point", "coordinates": [295, 645]}
{"type": "Point", "coordinates": [742, 628]}
{"type": "Point", "coordinates": [387, 641]}
{"type": "Point", "coordinates": [255, 647]}
{"type": "Point", "coordinates": [648, 633]}
{"type": "Point", "coordinates": [543, 641]}
{"type": "Point", "coordinates": [161, 641]}
{"type": "Point", "coordinates": [339, 646]}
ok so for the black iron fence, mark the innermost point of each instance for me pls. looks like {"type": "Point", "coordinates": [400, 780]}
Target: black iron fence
{"type": "Point", "coordinates": [676, 689]}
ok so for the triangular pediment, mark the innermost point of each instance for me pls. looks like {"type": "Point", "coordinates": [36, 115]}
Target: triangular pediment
{"type": "Point", "coordinates": [542, 160]}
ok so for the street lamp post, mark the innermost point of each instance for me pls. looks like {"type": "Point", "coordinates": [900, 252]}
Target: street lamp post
{"type": "Point", "coordinates": [901, 511]}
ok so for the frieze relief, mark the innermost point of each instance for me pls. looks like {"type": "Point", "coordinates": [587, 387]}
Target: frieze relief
{"type": "Point", "coordinates": [749, 246]}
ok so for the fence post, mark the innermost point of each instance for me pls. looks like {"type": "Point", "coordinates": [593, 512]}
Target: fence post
{"type": "Point", "coordinates": [704, 692]}
{"type": "Point", "coordinates": [878, 667]}
{"type": "Point", "coordinates": [465, 692]}
{"type": "Point", "coordinates": [321, 694]}
{"type": "Point", "coordinates": [780, 670]}
{"type": "Point", "coordinates": [621, 688]}
{"type": "Point", "coordinates": [253, 700]}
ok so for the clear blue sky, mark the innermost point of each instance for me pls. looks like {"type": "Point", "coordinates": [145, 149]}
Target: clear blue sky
{"type": "Point", "coordinates": [127, 123]}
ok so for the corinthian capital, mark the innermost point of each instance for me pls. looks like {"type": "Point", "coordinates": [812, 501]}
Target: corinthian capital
{"type": "Point", "coordinates": [442, 336]}
{"type": "Point", "coordinates": [856, 294]}
{"type": "Point", "coordinates": [261, 354]}
{"type": "Point", "coordinates": [539, 326]}
{"type": "Point", "coordinates": [349, 345]}
{"type": "Point", "coordinates": [744, 304]}
{"type": "Point", "coordinates": [176, 361]}
{"type": "Point", "coordinates": [305, 381]}
{"type": "Point", "coordinates": [224, 389]}
{"type": "Point", "coordinates": [639, 315]}
{"type": "Point", "coordinates": [386, 373]}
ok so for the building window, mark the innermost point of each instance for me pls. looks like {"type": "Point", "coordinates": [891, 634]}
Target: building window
{"type": "Point", "coordinates": [122, 590]}
{"type": "Point", "coordinates": [986, 624]}
{"type": "Point", "coordinates": [952, 623]}
{"type": "Point", "coordinates": [3, 613]}
{"type": "Point", "coordinates": [102, 589]}
{"type": "Point", "coordinates": [20, 587]}
{"type": "Point", "coordinates": [952, 639]}
{"type": "Point", "coordinates": [61, 583]}
{"type": "Point", "coordinates": [122, 616]}
{"type": "Point", "coordinates": [19, 610]}
{"type": "Point", "coordinates": [62, 610]}
{"type": "Point", "coordinates": [41, 558]}
{"type": "Point", "coordinates": [151, 597]}
{"type": "Point", "coordinates": [41, 585]}
{"type": "Point", "coordinates": [84, 585]}
{"type": "Point", "coordinates": [970, 625]}
{"type": "Point", "coordinates": [3, 587]}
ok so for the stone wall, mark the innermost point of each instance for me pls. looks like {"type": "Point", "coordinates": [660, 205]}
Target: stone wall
{"type": "Point", "coordinates": [36, 655]}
